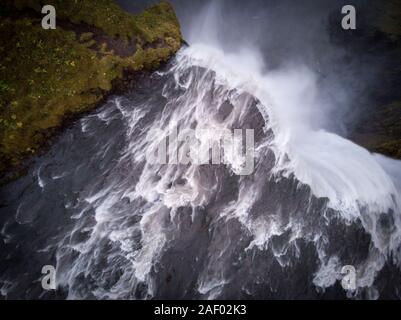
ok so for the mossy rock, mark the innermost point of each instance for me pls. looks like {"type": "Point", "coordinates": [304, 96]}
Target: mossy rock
{"type": "Point", "coordinates": [381, 130]}
{"type": "Point", "coordinates": [47, 76]}
{"type": "Point", "coordinates": [391, 148]}
{"type": "Point", "coordinates": [379, 126]}
{"type": "Point", "coordinates": [389, 19]}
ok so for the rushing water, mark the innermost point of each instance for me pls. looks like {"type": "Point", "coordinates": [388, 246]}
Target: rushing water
{"type": "Point", "coordinates": [116, 226]}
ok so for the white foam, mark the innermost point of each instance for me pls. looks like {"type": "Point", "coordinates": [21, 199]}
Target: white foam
{"type": "Point", "coordinates": [335, 168]}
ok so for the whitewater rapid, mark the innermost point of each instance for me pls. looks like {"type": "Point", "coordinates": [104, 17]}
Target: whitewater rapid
{"type": "Point", "coordinates": [334, 167]}
{"type": "Point", "coordinates": [359, 185]}
{"type": "Point", "coordinates": [118, 227]}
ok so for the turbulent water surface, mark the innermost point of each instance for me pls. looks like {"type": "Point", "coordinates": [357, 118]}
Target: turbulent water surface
{"type": "Point", "coordinates": [116, 226]}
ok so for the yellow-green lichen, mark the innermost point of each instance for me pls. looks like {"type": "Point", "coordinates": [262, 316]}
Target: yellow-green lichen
{"type": "Point", "coordinates": [47, 75]}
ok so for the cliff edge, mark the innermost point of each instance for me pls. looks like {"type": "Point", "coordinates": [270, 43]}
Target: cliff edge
{"type": "Point", "coordinates": [50, 76]}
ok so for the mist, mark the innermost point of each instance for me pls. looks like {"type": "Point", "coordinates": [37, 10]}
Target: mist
{"type": "Point", "coordinates": [288, 35]}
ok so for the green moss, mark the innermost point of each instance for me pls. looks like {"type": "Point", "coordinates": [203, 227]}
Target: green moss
{"type": "Point", "coordinates": [391, 148]}
{"type": "Point", "coordinates": [389, 123]}
{"type": "Point", "coordinates": [152, 24]}
{"type": "Point", "coordinates": [47, 75]}
{"type": "Point", "coordinates": [86, 36]}
{"type": "Point", "coordinates": [382, 130]}
{"type": "Point", "coordinates": [379, 128]}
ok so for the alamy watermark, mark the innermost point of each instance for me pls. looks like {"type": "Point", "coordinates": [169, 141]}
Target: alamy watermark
{"type": "Point", "coordinates": [49, 279]}
{"type": "Point", "coordinates": [348, 280]}
{"type": "Point", "coordinates": [49, 20]}
{"type": "Point", "coordinates": [204, 146]}
{"type": "Point", "coordinates": [349, 20]}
